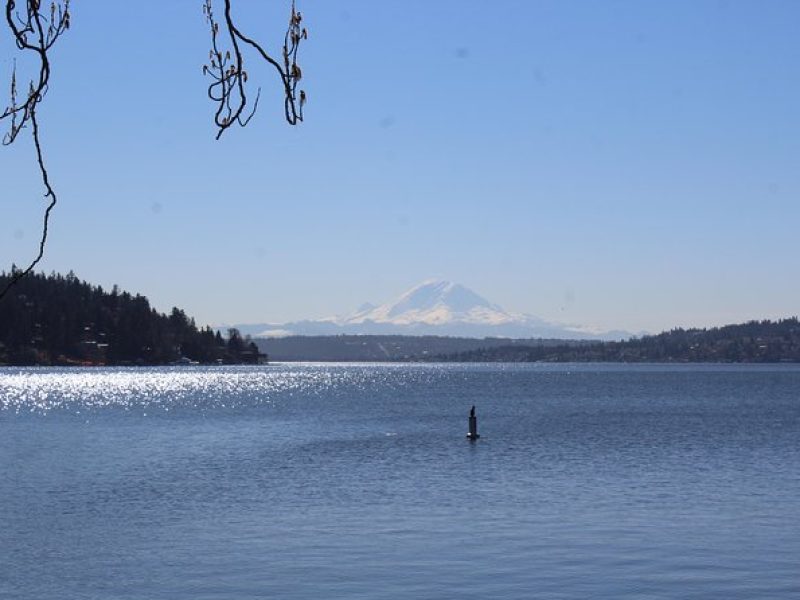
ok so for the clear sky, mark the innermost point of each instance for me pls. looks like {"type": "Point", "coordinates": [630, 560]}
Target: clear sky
{"type": "Point", "coordinates": [625, 164]}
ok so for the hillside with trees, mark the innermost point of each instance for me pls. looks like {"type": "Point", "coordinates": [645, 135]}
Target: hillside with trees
{"type": "Point", "coordinates": [755, 341]}
{"type": "Point", "coordinates": [383, 348]}
{"type": "Point", "coordinates": [60, 320]}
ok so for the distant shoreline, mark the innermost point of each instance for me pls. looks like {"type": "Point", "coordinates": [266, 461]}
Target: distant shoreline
{"type": "Point", "coordinates": [290, 363]}
{"type": "Point", "coordinates": [753, 342]}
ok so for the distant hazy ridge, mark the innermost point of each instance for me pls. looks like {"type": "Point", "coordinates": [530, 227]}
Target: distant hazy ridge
{"type": "Point", "coordinates": [62, 320]}
{"type": "Point", "coordinates": [433, 308]}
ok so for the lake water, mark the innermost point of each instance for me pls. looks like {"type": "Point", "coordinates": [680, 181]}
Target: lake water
{"type": "Point", "coordinates": [356, 481]}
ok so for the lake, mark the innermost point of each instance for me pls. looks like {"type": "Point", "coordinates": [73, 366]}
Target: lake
{"type": "Point", "coordinates": [356, 481]}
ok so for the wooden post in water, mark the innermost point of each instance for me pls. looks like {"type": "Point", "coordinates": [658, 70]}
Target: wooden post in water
{"type": "Point", "coordinates": [473, 425]}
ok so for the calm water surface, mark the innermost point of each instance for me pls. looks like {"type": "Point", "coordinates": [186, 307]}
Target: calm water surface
{"type": "Point", "coordinates": [356, 481]}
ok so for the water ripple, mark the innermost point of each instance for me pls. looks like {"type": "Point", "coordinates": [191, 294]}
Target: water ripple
{"type": "Point", "coordinates": [37, 390]}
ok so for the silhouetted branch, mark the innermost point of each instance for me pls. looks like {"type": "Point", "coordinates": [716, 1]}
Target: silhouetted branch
{"type": "Point", "coordinates": [229, 78]}
{"type": "Point", "coordinates": [36, 32]}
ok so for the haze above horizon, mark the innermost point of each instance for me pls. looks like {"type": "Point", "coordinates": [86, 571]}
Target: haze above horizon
{"type": "Point", "coordinates": [621, 165]}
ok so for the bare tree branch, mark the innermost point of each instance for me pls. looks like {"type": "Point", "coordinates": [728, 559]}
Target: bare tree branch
{"type": "Point", "coordinates": [36, 32]}
{"type": "Point", "coordinates": [229, 78]}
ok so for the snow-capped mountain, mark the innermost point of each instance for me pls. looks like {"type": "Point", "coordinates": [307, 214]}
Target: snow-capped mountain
{"type": "Point", "coordinates": [434, 303]}
{"type": "Point", "coordinates": [434, 308]}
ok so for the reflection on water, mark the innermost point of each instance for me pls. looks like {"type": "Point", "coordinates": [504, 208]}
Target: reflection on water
{"type": "Point", "coordinates": [355, 481]}
{"type": "Point", "coordinates": [41, 390]}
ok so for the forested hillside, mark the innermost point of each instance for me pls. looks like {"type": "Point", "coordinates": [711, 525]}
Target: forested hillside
{"type": "Point", "coordinates": [756, 341]}
{"type": "Point", "coordinates": [381, 348]}
{"type": "Point", "coordinates": [60, 320]}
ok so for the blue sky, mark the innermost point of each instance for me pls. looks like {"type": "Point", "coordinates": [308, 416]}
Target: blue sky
{"type": "Point", "coordinates": [621, 164]}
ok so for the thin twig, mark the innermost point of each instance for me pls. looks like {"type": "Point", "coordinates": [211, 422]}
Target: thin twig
{"type": "Point", "coordinates": [44, 30]}
{"type": "Point", "coordinates": [226, 69]}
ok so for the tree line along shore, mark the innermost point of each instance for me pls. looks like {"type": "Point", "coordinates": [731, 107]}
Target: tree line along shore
{"type": "Point", "coordinates": [752, 342]}
{"type": "Point", "coordinates": [60, 320]}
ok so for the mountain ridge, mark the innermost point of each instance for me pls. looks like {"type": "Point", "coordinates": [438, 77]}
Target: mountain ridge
{"type": "Point", "coordinates": [433, 307]}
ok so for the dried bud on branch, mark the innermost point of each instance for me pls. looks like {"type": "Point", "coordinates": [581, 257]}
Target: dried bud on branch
{"type": "Point", "coordinates": [228, 89]}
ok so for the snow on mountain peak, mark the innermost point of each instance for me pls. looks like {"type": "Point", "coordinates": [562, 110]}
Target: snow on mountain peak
{"type": "Point", "coordinates": [435, 302]}
{"type": "Point", "coordinates": [434, 307]}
